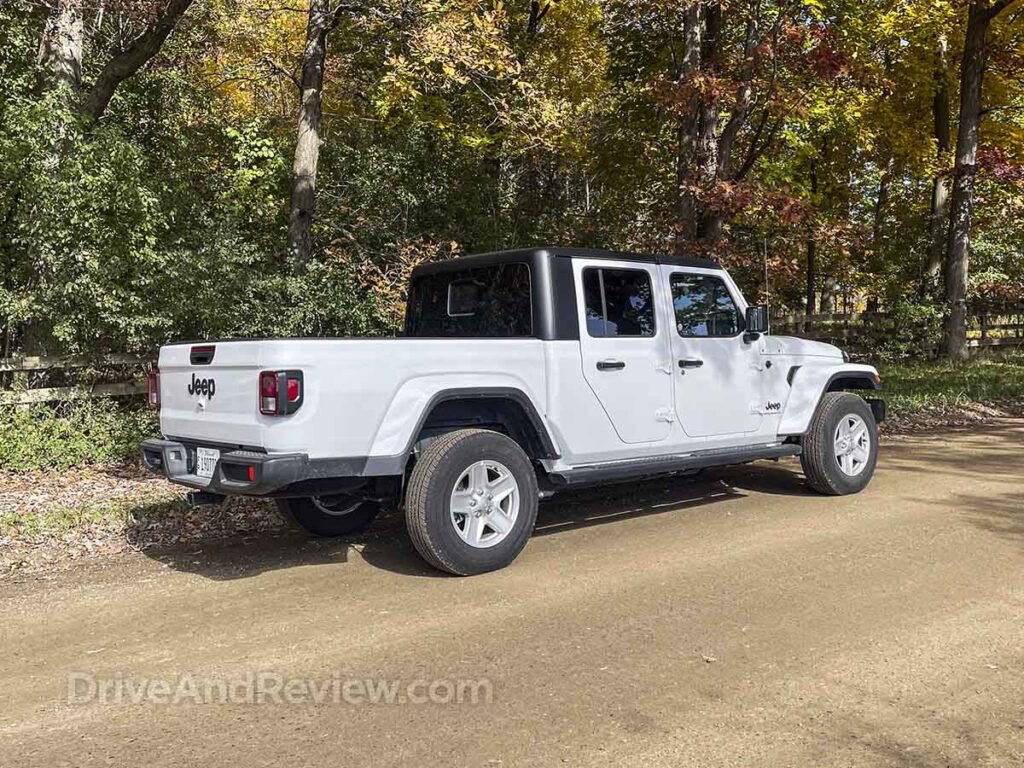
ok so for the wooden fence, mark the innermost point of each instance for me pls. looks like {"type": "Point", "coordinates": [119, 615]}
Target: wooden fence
{"type": "Point", "coordinates": [28, 380]}
{"type": "Point", "coordinates": [861, 331]}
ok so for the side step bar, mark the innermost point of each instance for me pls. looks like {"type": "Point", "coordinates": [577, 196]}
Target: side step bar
{"type": "Point", "coordinates": [624, 470]}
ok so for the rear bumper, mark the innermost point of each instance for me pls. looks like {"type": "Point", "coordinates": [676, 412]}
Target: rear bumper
{"type": "Point", "coordinates": [270, 472]}
{"type": "Point", "coordinates": [274, 474]}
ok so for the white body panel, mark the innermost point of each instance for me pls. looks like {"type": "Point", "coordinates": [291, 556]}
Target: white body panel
{"type": "Point", "coordinates": [363, 397]}
{"type": "Point", "coordinates": [809, 382]}
{"type": "Point", "coordinates": [367, 397]}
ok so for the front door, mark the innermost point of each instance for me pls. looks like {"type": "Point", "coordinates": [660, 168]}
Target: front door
{"type": "Point", "coordinates": [625, 348]}
{"type": "Point", "coordinates": [718, 382]}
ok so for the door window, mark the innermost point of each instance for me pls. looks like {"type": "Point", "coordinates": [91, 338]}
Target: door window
{"type": "Point", "coordinates": [618, 302]}
{"type": "Point", "coordinates": [703, 306]}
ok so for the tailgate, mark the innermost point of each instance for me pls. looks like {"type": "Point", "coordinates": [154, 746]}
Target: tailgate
{"type": "Point", "coordinates": [209, 392]}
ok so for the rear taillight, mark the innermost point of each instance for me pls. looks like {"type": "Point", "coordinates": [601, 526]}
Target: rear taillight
{"type": "Point", "coordinates": [281, 392]}
{"type": "Point", "coordinates": [268, 393]}
{"type": "Point", "coordinates": [153, 388]}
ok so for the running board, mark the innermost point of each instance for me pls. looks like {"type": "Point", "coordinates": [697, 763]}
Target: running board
{"type": "Point", "coordinates": [623, 470]}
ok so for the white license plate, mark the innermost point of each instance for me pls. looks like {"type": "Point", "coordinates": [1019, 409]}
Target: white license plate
{"type": "Point", "coordinates": [206, 461]}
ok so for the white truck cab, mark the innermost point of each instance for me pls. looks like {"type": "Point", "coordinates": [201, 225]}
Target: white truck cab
{"type": "Point", "coordinates": [519, 373]}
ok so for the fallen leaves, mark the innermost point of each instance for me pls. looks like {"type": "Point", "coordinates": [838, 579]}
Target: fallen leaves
{"type": "Point", "coordinates": [89, 511]}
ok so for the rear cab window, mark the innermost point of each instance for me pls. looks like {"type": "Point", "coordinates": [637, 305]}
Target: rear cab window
{"type": "Point", "coordinates": [480, 302]}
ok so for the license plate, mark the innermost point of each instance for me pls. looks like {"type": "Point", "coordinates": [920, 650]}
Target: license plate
{"type": "Point", "coordinates": [206, 461]}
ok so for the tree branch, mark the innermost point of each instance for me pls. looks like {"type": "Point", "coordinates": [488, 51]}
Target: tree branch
{"type": "Point", "coordinates": [133, 58]}
{"type": "Point", "coordinates": [274, 66]}
{"type": "Point", "coordinates": [998, 7]}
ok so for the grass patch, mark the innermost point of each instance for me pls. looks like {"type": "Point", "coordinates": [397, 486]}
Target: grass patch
{"type": "Point", "coordinates": [47, 516]}
{"type": "Point", "coordinates": [58, 522]}
{"type": "Point", "coordinates": [919, 386]}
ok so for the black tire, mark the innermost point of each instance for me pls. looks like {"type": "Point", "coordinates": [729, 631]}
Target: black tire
{"type": "Point", "coordinates": [820, 464]}
{"type": "Point", "coordinates": [428, 501]}
{"type": "Point", "coordinates": [329, 517]}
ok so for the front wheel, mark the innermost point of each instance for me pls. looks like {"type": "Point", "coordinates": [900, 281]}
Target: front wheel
{"type": "Point", "coordinates": [471, 502]}
{"type": "Point", "coordinates": [329, 516]}
{"type": "Point", "coordinates": [840, 448]}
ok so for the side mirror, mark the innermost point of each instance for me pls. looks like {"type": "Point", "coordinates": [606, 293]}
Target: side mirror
{"type": "Point", "coordinates": [756, 323]}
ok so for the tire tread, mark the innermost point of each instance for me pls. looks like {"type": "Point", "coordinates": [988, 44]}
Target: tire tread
{"type": "Point", "coordinates": [416, 497]}
{"type": "Point", "coordinates": [817, 444]}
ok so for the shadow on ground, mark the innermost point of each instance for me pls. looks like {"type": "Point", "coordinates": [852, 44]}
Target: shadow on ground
{"type": "Point", "coordinates": [386, 545]}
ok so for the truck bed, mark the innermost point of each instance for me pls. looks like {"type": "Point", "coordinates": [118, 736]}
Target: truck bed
{"type": "Point", "coordinates": [350, 387]}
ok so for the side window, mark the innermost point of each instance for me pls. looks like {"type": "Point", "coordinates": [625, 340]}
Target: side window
{"type": "Point", "coordinates": [618, 302]}
{"type": "Point", "coordinates": [703, 306]}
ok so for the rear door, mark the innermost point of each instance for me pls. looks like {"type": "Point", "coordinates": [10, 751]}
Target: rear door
{"type": "Point", "coordinates": [209, 392]}
{"type": "Point", "coordinates": [625, 348]}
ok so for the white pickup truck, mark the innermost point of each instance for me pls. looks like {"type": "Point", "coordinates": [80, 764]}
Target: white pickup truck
{"type": "Point", "coordinates": [519, 373]}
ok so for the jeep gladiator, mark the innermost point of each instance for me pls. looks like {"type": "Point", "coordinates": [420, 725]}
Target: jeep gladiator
{"type": "Point", "coordinates": [518, 374]}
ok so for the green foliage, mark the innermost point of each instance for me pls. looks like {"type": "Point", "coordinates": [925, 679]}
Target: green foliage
{"type": "Point", "coordinates": [913, 331]}
{"type": "Point", "coordinates": [462, 122]}
{"type": "Point", "coordinates": [912, 386]}
{"type": "Point", "coordinates": [71, 434]}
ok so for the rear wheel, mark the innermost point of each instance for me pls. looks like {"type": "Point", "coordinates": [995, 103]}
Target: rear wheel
{"type": "Point", "coordinates": [471, 502]}
{"type": "Point", "coordinates": [840, 448]}
{"type": "Point", "coordinates": [329, 516]}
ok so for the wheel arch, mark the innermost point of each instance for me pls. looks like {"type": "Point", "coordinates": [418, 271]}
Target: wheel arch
{"type": "Point", "coordinates": [838, 382]}
{"type": "Point", "coordinates": [809, 385]}
{"type": "Point", "coordinates": [508, 408]}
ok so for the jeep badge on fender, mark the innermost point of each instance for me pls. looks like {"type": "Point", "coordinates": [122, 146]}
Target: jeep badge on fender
{"type": "Point", "coordinates": [202, 387]}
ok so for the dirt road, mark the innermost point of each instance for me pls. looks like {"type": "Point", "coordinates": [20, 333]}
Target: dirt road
{"type": "Point", "coordinates": [736, 620]}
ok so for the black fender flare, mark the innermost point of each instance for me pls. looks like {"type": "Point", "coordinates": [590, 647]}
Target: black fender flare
{"type": "Point", "coordinates": [517, 396]}
{"type": "Point", "coordinates": [851, 380]}
{"type": "Point", "coordinates": [856, 380]}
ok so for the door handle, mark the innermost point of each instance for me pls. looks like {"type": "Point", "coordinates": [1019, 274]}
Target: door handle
{"type": "Point", "coordinates": [690, 362]}
{"type": "Point", "coordinates": [610, 365]}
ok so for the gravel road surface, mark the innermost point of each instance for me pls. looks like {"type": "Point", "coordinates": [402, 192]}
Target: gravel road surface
{"type": "Point", "coordinates": [737, 619]}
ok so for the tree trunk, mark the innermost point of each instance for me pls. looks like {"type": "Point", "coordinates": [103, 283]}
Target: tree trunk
{"type": "Point", "coordinates": [828, 295]}
{"type": "Point", "coordinates": [710, 220]}
{"type": "Point", "coordinates": [972, 71]}
{"type": "Point", "coordinates": [812, 251]}
{"type": "Point", "coordinates": [877, 228]}
{"type": "Point", "coordinates": [744, 95]}
{"type": "Point", "coordinates": [60, 47]}
{"type": "Point", "coordinates": [812, 245]}
{"type": "Point", "coordinates": [686, 139]}
{"type": "Point", "coordinates": [538, 10]}
{"type": "Point", "coordinates": [307, 145]}
{"type": "Point", "coordinates": [60, 71]}
{"type": "Point", "coordinates": [940, 187]}
{"type": "Point", "coordinates": [881, 202]}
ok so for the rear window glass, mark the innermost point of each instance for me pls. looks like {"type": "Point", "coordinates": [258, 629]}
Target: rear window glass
{"type": "Point", "coordinates": [490, 302]}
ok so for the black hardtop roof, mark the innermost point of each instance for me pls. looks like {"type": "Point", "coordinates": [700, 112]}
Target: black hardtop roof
{"type": "Point", "coordinates": [553, 251]}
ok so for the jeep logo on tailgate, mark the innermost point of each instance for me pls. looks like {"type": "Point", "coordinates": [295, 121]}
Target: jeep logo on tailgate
{"type": "Point", "coordinates": [202, 387]}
